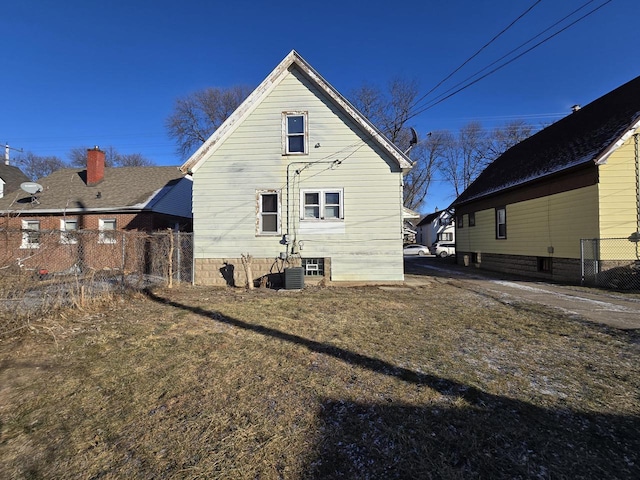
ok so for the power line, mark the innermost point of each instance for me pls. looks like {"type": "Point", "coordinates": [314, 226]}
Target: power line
{"type": "Point", "coordinates": [509, 53]}
{"type": "Point", "coordinates": [476, 53]}
{"type": "Point", "coordinates": [464, 87]}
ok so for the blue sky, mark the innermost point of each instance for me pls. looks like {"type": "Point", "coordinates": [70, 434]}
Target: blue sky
{"type": "Point", "coordinates": [79, 73]}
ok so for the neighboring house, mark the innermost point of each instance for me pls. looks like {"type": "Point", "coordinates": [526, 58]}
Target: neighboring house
{"type": "Point", "coordinates": [296, 175]}
{"type": "Point", "coordinates": [435, 227]}
{"type": "Point", "coordinates": [576, 179]}
{"type": "Point", "coordinates": [10, 179]}
{"type": "Point", "coordinates": [411, 219]}
{"type": "Point", "coordinates": [98, 199]}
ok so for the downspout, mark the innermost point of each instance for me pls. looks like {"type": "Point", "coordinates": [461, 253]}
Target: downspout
{"type": "Point", "coordinates": [637, 164]}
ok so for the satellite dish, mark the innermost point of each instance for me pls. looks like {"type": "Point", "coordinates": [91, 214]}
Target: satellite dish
{"type": "Point", "coordinates": [413, 141]}
{"type": "Point", "coordinates": [414, 137]}
{"type": "Point", "coordinates": [31, 187]}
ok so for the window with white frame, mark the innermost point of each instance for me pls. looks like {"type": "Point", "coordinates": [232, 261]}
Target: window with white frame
{"type": "Point", "coordinates": [294, 133]}
{"type": "Point", "coordinates": [323, 204]}
{"type": "Point", "coordinates": [445, 236]}
{"type": "Point", "coordinates": [30, 234]}
{"type": "Point", "coordinates": [268, 212]}
{"type": "Point", "coordinates": [68, 229]}
{"type": "Point", "coordinates": [107, 228]}
{"type": "Point", "coordinates": [501, 222]}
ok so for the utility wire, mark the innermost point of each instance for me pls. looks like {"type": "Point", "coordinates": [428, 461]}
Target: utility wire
{"type": "Point", "coordinates": [434, 103]}
{"type": "Point", "coordinates": [508, 53]}
{"type": "Point", "coordinates": [477, 53]}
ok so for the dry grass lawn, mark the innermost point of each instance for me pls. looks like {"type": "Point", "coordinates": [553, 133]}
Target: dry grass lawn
{"type": "Point", "coordinates": [430, 382]}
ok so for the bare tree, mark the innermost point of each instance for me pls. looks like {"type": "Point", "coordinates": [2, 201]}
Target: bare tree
{"type": "Point", "coordinates": [426, 156]}
{"type": "Point", "coordinates": [35, 166]}
{"type": "Point", "coordinates": [197, 115]}
{"type": "Point", "coordinates": [474, 148]}
{"type": "Point", "coordinates": [505, 137]}
{"type": "Point", "coordinates": [133, 160]}
{"type": "Point", "coordinates": [113, 158]}
{"type": "Point", "coordinates": [390, 110]}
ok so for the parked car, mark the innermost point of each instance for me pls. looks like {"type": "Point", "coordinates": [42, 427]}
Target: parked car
{"type": "Point", "coordinates": [442, 249]}
{"type": "Point", "coordinates": [415, 249]}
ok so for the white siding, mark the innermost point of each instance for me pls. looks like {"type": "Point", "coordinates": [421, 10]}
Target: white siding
{"type": "Point", "coordinates": [250, 159]}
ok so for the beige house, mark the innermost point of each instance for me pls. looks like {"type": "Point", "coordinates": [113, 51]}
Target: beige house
{"type": "Point", "coordinates": [576, 179]}
{"type": "Point", "coordinates": [296, 176]}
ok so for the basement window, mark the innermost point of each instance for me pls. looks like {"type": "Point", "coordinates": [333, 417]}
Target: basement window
{"type": "Point", "coordinates": [313, 267]}
{"type": "Point", "coordinates": [545, 264]}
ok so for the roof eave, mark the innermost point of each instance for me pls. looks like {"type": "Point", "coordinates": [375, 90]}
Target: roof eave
{"type": "Point", "coordinates": [604, 156]}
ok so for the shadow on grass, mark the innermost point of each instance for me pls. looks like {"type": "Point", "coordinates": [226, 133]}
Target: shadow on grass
{"type": "Point", "coordinates": [470, 434]}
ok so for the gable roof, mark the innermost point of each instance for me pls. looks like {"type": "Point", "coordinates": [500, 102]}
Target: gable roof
{"type": "Point", "coordinates": [588, 135]}
{"type": "Point", "coordinates": [431, 217]}
{"type": "Point", "coordinates": [292, 60]}
{"type": "Point", "coordinates": [12, 177]}
{"type": "Point", "coordinates": [122, 189]}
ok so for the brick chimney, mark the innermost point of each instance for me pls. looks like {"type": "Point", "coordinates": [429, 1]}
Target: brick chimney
{"type": "Point", "coordinates": [95, 166]}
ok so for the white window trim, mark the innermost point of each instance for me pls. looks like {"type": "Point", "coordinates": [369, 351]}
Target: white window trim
{"type": "Point", "coordinates": [498, 223]}
{"type": "Point", "coordinates": [65, 238]}
{"type": "Point", "coordinates": [285, 132]}
{"type": "Point", "coordinates": [102, 237]}
{"type": "Point", "coordinates": [259, 231]}
{"type": "Point", "coordinates": [25, 236]}
{"type": "Point", "coordinates": [321, 195]}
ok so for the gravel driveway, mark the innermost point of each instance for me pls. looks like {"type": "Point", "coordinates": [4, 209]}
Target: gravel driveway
{"type": "Point", "coordinates": [618, 310]}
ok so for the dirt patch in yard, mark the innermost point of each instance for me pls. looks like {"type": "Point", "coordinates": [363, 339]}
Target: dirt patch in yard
{"type": "Point", "coordinates": [362, 382]}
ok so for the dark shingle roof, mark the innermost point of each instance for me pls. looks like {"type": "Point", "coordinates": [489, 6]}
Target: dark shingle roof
{"type": "Point", "coordinates": [121, 188]}
{"type": "Point", "coordinates": [429, 218]}
{"type": "Point", "coordinates": [577, 139]}
{"type": "Point", "coordinates": [12, 177]}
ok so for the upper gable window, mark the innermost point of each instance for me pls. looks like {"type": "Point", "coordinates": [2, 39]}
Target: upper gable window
{"type": "Point", "coordinates": [294, 133]}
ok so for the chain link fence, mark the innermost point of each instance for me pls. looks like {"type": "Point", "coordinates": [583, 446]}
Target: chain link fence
{"type": "Point", "coordinates": [44, 269]}
{"type": "Point", "coordinates": [611, 262]}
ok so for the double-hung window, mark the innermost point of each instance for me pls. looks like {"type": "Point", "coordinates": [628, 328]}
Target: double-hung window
{"type": "Point", "coordinates": [323, 204]}
{"type": "Point", "coordinates": [30, 234]}
{"type": "Point", "coordinates": [268, 212]}
{"type": "Point", "coordinates": [68, 229]}
{"type": "Point", "coordinates": [107, 228]}
{"type": "Point", "coordinates": [294, 133]}
{"type": "Point", "coordinates": [501, 222]}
